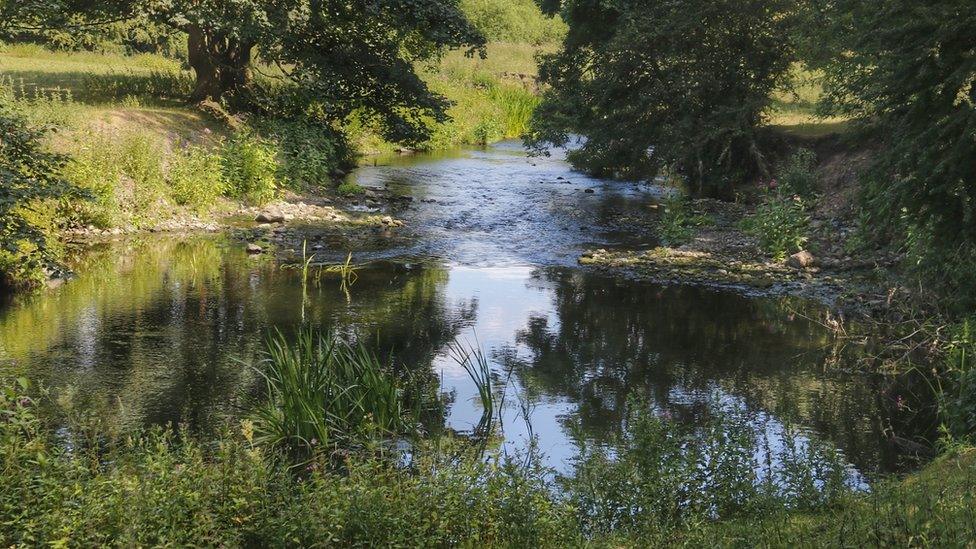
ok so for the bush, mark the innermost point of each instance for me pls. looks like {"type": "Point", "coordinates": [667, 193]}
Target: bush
{"type": "Point", "coordinates": [957, 387]}
{"type": "Point", "coordinates": [513, 21]}
{"type": "Point", "coordinates": [308, 153]}
{"type": "Point", "coordinates": [250, 168]}
{"type": "Point", "coordinates": [195, 178]}
{"type": "Point", "coordinates": [94, 167]}
{"type": "Point", "coordinates": [780, 223]}
{"type": "Point", "coordinates": [661, 476]}
{"type": "Point", "coordinates": [797, 174]}
{"type": "Point", "coordinates": [30, 178]}
{"type": "Point", "coordinates": [677, 222]}
{"type": "Point", "coordinates": [140, 157]}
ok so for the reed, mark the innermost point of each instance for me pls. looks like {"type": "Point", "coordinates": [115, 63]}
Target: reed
{"type": "Point", "coordinates": [322, 395]}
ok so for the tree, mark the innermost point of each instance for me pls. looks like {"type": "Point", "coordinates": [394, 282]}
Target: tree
{"type": "Point", "coordinates": [341, 56]}
{"type": "Point", "coordinates": [908, 71]}
{"type": "Point", "coordinates": [655, 84]}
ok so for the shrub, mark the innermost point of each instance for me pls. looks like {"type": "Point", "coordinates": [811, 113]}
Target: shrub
{"type": "Point", "coordinates": [797, 174]}
{"type": "Point", "coordinates": [677, 222]}
{"type": "Point", "coordinates": [957, 387]}
{"type": "Point", "coordinates": [30, 177]}
{"type": "Point", "coordinates": [140, 157]}
{"type": "Point", "coordinates": [513, 21]}
{"type": "Point", "coordinates": [195, 178]}
{"type": "Point", "coordinates": [94, 167]}
{"type": "Point", "coordinates": [250, 168]}
{"type": "Point", "coordinates": [780, 223]}
{"type": "Point", "coordinates": [308, 153]}
{"type": "Point", "coordinates": [661, 476]}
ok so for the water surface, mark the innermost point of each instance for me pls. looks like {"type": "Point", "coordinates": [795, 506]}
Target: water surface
{"type": "Point", "coordinates": [159, 330]}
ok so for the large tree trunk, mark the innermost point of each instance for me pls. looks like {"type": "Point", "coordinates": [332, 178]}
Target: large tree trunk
{"type": "Point", "coordinates": [222, 64]}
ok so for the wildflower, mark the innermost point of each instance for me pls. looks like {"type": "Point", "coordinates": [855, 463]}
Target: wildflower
{"type": "Point", "coordinates": [247, 429]}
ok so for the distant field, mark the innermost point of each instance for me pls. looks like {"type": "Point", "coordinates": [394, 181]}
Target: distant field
{"type": "Point", "coordinates": [794, 111]}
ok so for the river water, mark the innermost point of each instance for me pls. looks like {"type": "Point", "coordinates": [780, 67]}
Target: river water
{"type": "Point", "coordinates": [159, 330]}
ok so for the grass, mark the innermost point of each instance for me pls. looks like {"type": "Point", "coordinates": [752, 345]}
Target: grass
{"type": "Point", "coordinates": [660, 485]}
{"type": "Point", "coordinates": [323, 395]}
{"type": "Point", "coordinates": [794, 111]}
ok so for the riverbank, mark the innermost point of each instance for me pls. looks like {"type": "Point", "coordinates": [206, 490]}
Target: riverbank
{"type": "Point", "coordinates": [165, 489]}
{"type": "Point", "coordinates": [773, 240]}
{"type": "Point", "coordinates": [139, 160]}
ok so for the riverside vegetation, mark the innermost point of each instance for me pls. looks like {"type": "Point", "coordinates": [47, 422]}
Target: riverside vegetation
{"type": "Point", "coordinates": [373, 463]}
{"type": "Point", "coordinates": [273, 481]}
{"type": "Point", "coordinates": [109, 103]}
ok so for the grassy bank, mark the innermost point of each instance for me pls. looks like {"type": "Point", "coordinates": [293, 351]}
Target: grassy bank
{"type": "Point", "coordinates": [658, 485]}
{"type": "Point", "coordinates": [143, 159]}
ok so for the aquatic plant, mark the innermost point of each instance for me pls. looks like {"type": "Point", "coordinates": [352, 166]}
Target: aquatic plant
{"type": "Point", "coordinates": [323, 394]}
{"type": "Point", "coordinates": [475, 363]}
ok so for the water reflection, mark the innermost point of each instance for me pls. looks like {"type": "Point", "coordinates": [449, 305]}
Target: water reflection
{"type": "Point", "coordinates": [154, 332]}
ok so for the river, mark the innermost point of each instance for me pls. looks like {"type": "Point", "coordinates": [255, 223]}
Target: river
{"type": "Point", "coordinates": [159, 329]}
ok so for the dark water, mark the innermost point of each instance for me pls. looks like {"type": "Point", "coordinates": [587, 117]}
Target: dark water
{"type": "Point", "coordinates": [154, 330]}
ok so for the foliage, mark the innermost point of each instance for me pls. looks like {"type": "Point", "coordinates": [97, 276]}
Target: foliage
{"type": "Point", "coordinates": [780, 223]}
{"type": "Point", "coordinates": [136, 35]}
{"type": "Point", "coordinates": [657, 83]}
{"type": "Point", "coordinates": [324, 395]}
{"type": "Point", "coordinates": [163, 488]}
{"type": "Point", "coordinates": [513, 21]}
{"type": "Point", "coordinates": [677, 222]}
{"type": "Point", "coordinates": [93, 166]}
{"type": "Point", "coordinates": [907, 69]}
{"type": "Point", "coordinates": [957, 382]}
{"type": "Point", "coordinates": [123, 173]}
{"type": "Point", "coordinates": [250, 168]}
{"type": "Point", "coordinates": [797, 174]}
{"type": "Point", "coordinates": [308, 153]}
{"type": "Point", "coordinates": [661, 476]}
{"type": "Point", "coordinates": [349, 188]}
{"type": "Point", "coordinates": [341, 57]}
{"type": "Point", "coordinates": [29, 176]}
{"type": "Point", "coordinates": [195, 178]}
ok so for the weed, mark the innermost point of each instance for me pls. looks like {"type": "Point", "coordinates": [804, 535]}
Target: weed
{"type": "Point", "coordinates": [678, 222]}
{"type": "Point", "coordinates": [780, 223]}
{"type": "Point", "coordinates": [195, 178]}
{"type": "Point", "coordinates": [349, 188]}
{"type": "Point", "coordinates": [323, 394]}
{"type": "Point", "coordinates": [797, 175]}
{"type": "Point", "coordinates": [250, 167]}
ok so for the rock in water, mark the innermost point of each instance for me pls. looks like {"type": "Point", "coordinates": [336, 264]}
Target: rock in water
{"type": "Point", "coordinates": [801, 260]}
{"type": "Point", "coordinates": [270, 217]}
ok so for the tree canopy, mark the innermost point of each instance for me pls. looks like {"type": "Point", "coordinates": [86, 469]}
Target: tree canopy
{"type": "Point", "coordinates": [341, 56]}
{"type": "Point", "coordinates": [908, 71]}
{"type": "Point", "coordinates": [655, 84]}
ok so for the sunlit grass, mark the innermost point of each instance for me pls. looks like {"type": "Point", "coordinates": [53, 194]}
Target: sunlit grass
{"type": "Point", "coordinates": [794, 110]}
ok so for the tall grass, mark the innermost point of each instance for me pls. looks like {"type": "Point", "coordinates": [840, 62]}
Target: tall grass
{"type": "Point", "coordinates": [517, 105]}
{"type": "Point", "coordinates": [323, 394]}
{"type": "Point", "coordinates": [476, 364]}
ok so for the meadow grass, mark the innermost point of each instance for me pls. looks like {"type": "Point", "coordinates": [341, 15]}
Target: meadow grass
{"type": "Point", "coordinates": [794, 110]}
